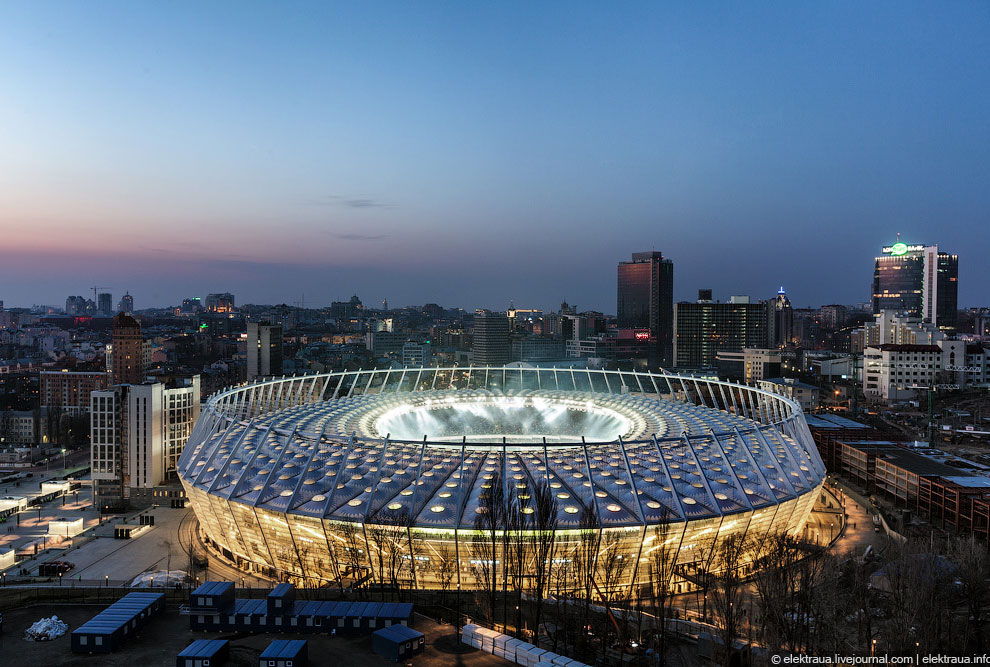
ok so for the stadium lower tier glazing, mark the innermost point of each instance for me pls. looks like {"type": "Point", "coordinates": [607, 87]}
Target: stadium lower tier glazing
{"type": "Point", "coordinates": [387, 475]}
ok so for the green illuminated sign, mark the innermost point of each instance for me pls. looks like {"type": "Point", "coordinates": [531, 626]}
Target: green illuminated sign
{"type": "Point", "coordinates": [898, 249]}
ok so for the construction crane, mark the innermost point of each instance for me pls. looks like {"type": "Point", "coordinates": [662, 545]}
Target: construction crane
{"type": "Point", "coordinates": [96, 298]}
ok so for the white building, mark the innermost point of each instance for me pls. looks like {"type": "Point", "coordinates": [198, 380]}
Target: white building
{"type": "Point", "coordinates": [264, 350]}
{"type": "Point", "coordinates": [138, 432]}
{"type": "Point", "coordinates": [890, 328]}
{"type": "Point", "coordinates": [751, 364]}
{"type": "Point", "coordinates": [894, 372]}
{"type": "Point", "coordinates": [63, 527]}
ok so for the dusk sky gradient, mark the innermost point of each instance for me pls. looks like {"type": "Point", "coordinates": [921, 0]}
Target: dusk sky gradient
{"type": "Point", "coordinates": [470, 153]}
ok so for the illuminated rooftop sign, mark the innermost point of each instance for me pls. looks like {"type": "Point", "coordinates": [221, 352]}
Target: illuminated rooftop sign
{"type": "Point", "coordinates": [901, 249]}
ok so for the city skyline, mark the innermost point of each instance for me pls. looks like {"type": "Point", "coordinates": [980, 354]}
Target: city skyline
{"type": "Point", "coordinates": [330, 149]}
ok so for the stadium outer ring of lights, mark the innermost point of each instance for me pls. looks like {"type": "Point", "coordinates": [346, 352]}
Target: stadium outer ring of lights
{"type": "Point", "coordinates": [283, 474]}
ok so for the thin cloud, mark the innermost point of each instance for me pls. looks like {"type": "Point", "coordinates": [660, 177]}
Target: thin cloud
{"type": "Point", "coordinates": [358, 237]}
{"type": "Point", "coordinates": [350, 202]}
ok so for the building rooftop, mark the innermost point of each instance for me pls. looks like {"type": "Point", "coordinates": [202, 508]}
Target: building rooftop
{"type": "Point", "coordinates": [829, 421]}
{"type": "Point", "coordinates": [973, 482]}
{"type": "Point", "coordinates": [791, 382]}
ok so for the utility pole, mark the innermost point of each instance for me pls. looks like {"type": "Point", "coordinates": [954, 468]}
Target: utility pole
{"type": "Point", "coordinates": [931, 412]}
{"type": "Point", "coordinates": [855, 387]}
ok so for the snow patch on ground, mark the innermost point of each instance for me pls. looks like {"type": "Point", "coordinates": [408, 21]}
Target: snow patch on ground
{"type": "Point", "coordinates": [160, 579]}
{"type": "Point", "coordinates": [46, 629]}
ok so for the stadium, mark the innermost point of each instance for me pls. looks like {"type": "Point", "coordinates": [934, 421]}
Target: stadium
{"type": "Point", "coordinates": [296, 477]}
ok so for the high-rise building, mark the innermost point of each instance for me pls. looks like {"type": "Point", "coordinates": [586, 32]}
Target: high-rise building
{"type": "Point", "coordinates": [104, 303]}
{"type": "Point", "coordinates": [126, 304]}
{"type": "Point", "coordinates": [264, 349]}
{"type": "Point", "coordinates": [75, 305]}
{"type": "Point", "coordinates": [783, 319]}
{"type": "Point", "coordinates": [703, 329]}
{"type": "Point", "coordinates": [917, 280]}
{"type": "Point", "coordinates": [645, 300]}
{"type": "Point", "coordinates": [833, 316]}
{"type": "Point", "coordinates": [138, 432]}
{"type": "Point", "coordinates": [220, 303]}
{"type": "Point", "coordinates": [130, 355]}
{"type": "Point", "coordinates": [345, 310]}
{"type": "Point", "coordinates": [491, 339]}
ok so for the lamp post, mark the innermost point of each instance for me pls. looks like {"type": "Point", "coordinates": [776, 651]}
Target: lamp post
{"type": "Point", "coordinates": [106, 580]}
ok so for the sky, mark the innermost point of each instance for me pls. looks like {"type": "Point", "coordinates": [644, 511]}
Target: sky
{"type": "Point", "coordinates": [474, 153]}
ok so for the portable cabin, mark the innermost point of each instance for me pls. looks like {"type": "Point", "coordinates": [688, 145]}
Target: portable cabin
{"type": "Point", "coordinates": [97, 637]}
{"type": "Point", "coordinates": [204, 653]}
{"type": "Point", "coordinates": [281, 599]}
{"type": "Point", "coordinates": [352, 621]}
{"type": "Point", "coordinates": [338, 616]}
{"type": "Point", "coordinates": [285, 653]}
{"type": "Point", "coordinates": [106, 631]}
{"type": "Point", "coordinates": [248, 612]}
{"type": "Point", "coordinates": [393, 613]}
{"type": "Point", "coordinates": [397, 642]}
{"type": "Point", "coordinates": [212, 597]}
{"type": "Point", "coordinates": [302, 614]}
{"type": "Point", "coordinates": [369, 620]}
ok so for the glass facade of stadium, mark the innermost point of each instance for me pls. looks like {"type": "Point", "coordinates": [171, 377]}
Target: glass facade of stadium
{"type": "Point", "coordinates": [289, 478]}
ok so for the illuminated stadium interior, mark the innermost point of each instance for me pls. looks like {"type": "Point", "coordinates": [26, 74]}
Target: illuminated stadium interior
{"type": "Point", "coordinates": [519, 419]}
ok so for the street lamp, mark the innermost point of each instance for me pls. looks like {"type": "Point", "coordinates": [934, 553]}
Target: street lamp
{"type": "Point", "coordinates": [106, 580]}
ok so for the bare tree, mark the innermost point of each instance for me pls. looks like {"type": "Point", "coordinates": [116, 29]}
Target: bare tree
{"type": "Point", "coordinates": [727, 577]}
{"type": "Point", "coordinates": [517, 511]}
{"type": "Point", "coordinates": [612, 565]}
{"type": "Point", "coordinates": [585, 568]}
{"type": "Point", "coordinates": [973, 573]}
{"type": "Point", "coordinates": [562, 581]}
{"type": "Point", "coordinates": [789, 585]}
{"type": "Point", "coordinates": [662, 556]}
{"type": "Point", "coordinates": [916, 584]}
{"type": "Point", "coordinates": [353, 542]}
{"type": "Point", "coordinates": [489, 527]}
{"type": "Point", "coordinates": [336, 560]}
{"type": "Point", "coordinates": [445, 569]}
{"type": "Point", "coordinates": [543, 545]}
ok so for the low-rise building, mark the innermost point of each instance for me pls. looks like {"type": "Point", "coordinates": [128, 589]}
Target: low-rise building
{"type": "Point", "coordinates": [806, 394]}
{"type": "Point", "coordinates": [749, 365]}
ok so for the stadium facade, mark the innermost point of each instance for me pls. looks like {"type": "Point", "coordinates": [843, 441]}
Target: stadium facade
{"type": "Point", "coordinates": [297, 476]}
